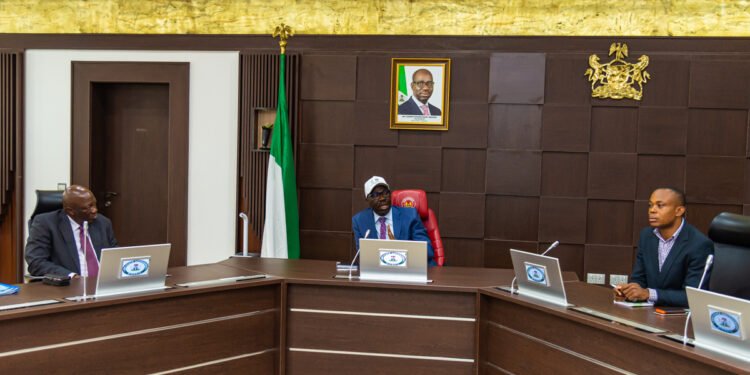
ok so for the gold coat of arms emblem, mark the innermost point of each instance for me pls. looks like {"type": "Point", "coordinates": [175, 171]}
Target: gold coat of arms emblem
{"type": "Point", "coordinates": [617, 79]}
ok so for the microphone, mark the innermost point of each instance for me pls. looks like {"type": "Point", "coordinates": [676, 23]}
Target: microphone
{"type": "Point", "coordinates": [709, 262]}
{"type": "Point", "coordinates": [85, 261]}
{"type": "Point", "coordinates": [554, 245]}
{"type": "Point", "coordinates": [356, 255]}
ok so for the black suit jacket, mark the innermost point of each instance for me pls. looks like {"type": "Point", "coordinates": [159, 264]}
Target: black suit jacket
{"type": "Point", "coordinates": [51, 247]}
{"type": "Point", "coordinates": [409, 107]}
{"type": "Point", "coordinates": [683, 266]}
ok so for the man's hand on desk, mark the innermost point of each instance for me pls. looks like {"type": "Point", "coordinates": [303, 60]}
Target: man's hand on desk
{"type": "Point", "coordinates": [631, 292]}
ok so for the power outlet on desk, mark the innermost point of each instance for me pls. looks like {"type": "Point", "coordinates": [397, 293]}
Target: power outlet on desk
{"type": "Point", "coordinates": [618, 279]}
{"type": "Point", "coordinates": [595, 278]}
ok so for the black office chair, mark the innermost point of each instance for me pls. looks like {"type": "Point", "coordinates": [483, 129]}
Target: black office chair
{"type": "Point", "coordinates": [46, 201]}
{"type": "Point", "coordinates": [731, 236]}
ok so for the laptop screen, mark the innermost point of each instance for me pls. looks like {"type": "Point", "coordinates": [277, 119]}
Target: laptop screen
{"type": "Point", "coordinates": [132, 269]}
{"type": "Point", "coordinates": [720, 322]}
{"type": "Point", "coordinates": [393, 260]}
{"type": "Point", "coordinates": [539, 276]}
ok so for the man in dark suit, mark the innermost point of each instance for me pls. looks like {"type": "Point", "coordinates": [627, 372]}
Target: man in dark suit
{"type": "Point", "coordinates": [398, 223]}
{"type": "Point", "coordinates": [671, 254]}
{"type": "Point", "coordinates": [56, 241]}
{"type": "Point", "coordinates": [421, 87]}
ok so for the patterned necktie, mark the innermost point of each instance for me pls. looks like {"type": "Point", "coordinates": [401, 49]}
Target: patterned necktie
{"type": "Point", "coordinates": [91, 262]}
{"type": "Point", "coordinates": [381, 220]}
{"type": "Point", "coordinates": [425, 110]}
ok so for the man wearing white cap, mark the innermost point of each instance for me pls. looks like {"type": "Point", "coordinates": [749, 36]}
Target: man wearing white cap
{"type": "Point", "coordinates": [386, 222]}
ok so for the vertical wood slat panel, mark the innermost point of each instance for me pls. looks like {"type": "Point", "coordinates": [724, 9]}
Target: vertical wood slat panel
{"type": "Point", "coordinates": [260, 91]}
{"type": "Point", "coordinates": [7, 128]}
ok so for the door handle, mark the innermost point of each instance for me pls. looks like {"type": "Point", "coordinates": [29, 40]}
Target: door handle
{"type": "Point", "coordinates": [108, 196]}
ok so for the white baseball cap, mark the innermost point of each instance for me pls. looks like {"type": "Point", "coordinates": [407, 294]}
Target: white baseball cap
{"type": "Point", "coordinates": [373, 182]}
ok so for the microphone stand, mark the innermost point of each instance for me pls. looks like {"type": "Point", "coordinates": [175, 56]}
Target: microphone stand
{"type": "Point", "coordinates": [356, 255]}
{"type": "Point", "coordinates": [709, 261]}
{"type": "Point", "coordinates": [85, 260]}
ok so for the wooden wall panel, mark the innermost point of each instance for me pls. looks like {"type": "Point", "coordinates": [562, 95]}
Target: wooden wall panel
{"type": "Point", "coordinates": [717, 132]}
{"type": "Point", "coordinates": [328, 122]}
{"type": "Point", "coordinates": [719, 84]}
{"type": "Point", "coordinates": [514, 172]}
{"type": "Point", "coordinates": [512, 218]}
{"type": "Point", "coordinates": [562, 219]}
{"type": "Point", "coordinates": [656, 171]}
{"type": "Point", "coordinates": [713, 179]}
{"type": "Point", "coordinates": [612, 176]}
{"type": "Point", "coordinates": [662, 131]}
{"type": "Point", "coordinates": [470, 121]}
{"type": "Point", "coordinates": [464, 252]}
{"type": "Point", "coordinates": [463, 170]}
{"type": "Point", "coordinates": [526, 83]}
{"type": "Point", "coordinates": [462, 214]}
{"type": "Point", "coordinates": [566, 128]}
{"type": "Point", "coordinates": [614, 129]}
{"type": "Point", "coordinates": [515, 127]}
{"type": "Point", "coordinates": [328, 77]}
{"type": "Point", "coordinates": [469, 79]}
{"type": "Point", "coordinates": [11, 161]}
{"type": "Point", "coordinates": [529, 157]}
{"type": "Point", "coordinates": [565, 174]}
{"type": "Point", "coordinates": [609, 222]}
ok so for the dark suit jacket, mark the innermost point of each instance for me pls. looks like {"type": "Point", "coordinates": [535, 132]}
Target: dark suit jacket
{"type": "Point", "coordinates": [409, 107]}
{"type": "Point", "coordinates": [683, 266]}
{"type": "Point", "coordinates": [406, 226]}
{"type": "Point", "coordinates": [51, 247]}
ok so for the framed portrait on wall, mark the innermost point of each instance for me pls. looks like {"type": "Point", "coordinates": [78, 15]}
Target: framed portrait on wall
{"type": "Point", "coordinates": [420, 89]}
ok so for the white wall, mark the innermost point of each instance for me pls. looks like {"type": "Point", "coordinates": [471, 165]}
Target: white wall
{"type": "Point", "coordinates": [212, 168]}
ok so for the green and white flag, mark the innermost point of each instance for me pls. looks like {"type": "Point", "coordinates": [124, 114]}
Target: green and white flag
{"type": "Point", "coordinates": [403, 94]}
{"type": "Point", "coordinates": [281, 231]}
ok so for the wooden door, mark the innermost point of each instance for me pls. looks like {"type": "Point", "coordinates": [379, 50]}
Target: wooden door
{"type": "Point", "coordinates": [130, 136]}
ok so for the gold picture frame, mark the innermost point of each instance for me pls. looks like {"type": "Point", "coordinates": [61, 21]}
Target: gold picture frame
{"type": "Point", "coordinates": [420, 91]}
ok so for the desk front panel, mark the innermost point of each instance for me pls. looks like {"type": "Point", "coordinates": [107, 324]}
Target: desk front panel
{"type": "Point", "coordinates": [339, 329]}
{"type": "Point", "coordinates": [528, 337]}
{"type": "Point", "coordinates": [158, 333]}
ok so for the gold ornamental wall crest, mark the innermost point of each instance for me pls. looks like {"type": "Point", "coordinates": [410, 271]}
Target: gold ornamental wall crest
{"type": "Point", "coordinates": [617, 79]}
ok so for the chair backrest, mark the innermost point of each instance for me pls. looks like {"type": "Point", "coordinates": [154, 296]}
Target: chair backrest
{"type": "Point", "coordinates": [731, 236]}
{"type": "Point", "coordinates": [417, 199]}
{"type": "Point", "coordinates": [46, 201]}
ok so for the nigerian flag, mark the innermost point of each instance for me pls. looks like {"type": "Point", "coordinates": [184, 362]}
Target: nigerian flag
{"type": "Point", "coordinates": [281, 231]}
{"type": "Point", "coordinates": [403, 95]}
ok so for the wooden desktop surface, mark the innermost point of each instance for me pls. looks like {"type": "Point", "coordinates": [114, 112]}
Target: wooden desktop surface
{"type": "Point", "coordinates": [301, 320]}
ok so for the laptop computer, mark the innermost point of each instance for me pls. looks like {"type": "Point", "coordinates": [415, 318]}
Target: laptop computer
{"type": "Point", "coordinates": [720, 322]}
{"type": "Point", "coordinates": [539, 276]}
{"type": "Point", "coordinates": [131, 269]}
{"type": "Point", "coordinates": [393, 260]}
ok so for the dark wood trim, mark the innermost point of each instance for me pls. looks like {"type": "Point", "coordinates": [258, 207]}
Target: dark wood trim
{"type": "Point", "coordinates": [19, 183]}
{"type": "Point", "coordinates": [177, 75]}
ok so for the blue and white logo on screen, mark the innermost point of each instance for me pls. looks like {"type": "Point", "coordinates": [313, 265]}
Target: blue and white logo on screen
{"type": "Point", "coordinates": [536, 273]}
{"type": "Point", "coordinates": [726, 322]}
{"type": "Point", "coordinates": [134, 267]}
{"type": "Point", "coordinates": [393, 258]}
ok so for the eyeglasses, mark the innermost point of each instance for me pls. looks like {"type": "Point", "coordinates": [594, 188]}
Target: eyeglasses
{"type": "Point", "coordinates": [422, 84]}
{"type": "Point", "coordinates": [376, 194]}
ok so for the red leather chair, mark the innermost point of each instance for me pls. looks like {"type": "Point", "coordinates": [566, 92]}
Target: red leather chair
{"type": "Point", "coordinates": [418, 199]}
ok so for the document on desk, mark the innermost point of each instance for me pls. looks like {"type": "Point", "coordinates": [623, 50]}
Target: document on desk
{"type": "Point", "coordinates": [634, 304]}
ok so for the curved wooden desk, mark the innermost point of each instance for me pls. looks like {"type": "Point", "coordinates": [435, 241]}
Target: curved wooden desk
{"type": "Point", "coordinates": [303, 321]}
